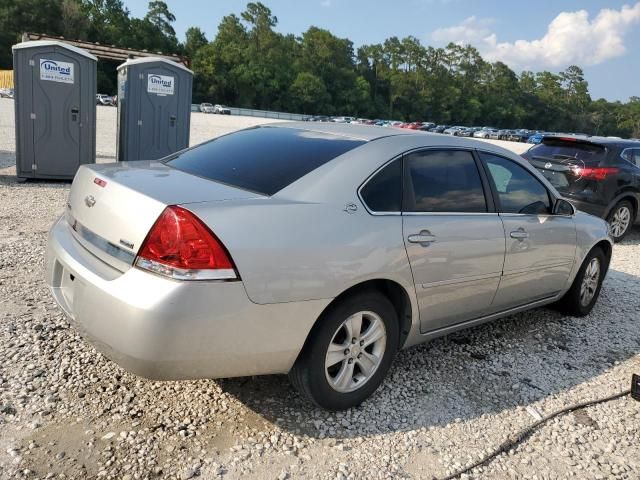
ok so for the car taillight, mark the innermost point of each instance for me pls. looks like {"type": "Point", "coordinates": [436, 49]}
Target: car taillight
{"type": "Point", "coordinates": [180, 246]}
{"type": "Point", "coordinates": [595, 173]}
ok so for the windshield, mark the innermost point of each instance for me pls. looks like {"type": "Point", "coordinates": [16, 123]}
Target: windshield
{"type": "Point", "coordinates": [556, 149]}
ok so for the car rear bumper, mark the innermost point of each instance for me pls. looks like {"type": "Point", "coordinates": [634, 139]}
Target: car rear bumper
{"type": "Point", "coordinates": [164, 329]}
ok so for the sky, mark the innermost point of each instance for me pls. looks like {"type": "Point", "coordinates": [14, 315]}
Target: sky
{"type": "Point", "coordinates": [602, 37]}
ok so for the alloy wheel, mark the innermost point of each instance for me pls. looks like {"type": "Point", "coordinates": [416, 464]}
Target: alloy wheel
{"type": "Point", "coordinates": [590, 282]}
{"type": "Point", "coordinates": [355, 351]}
{"type": "Point", "coordinates": [620, 221]}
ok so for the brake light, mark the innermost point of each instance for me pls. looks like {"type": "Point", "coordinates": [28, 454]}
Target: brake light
{"type": "Point", "coordinates": [595, 173]}
{"type": "Point", "coordinates": [180, 246]}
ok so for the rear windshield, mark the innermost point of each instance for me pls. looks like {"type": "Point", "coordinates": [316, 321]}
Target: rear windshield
{"type": "Point", "coordinates": [264, 160]}
{"type": "Point", "coordinates": [566, 150]}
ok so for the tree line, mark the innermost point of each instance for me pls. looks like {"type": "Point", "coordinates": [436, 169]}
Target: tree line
{"type": "Point", "coordinates": [249, 64]}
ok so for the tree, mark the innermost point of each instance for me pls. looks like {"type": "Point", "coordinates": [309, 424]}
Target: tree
{"type": "Point", "coordinates": [309, 93]}
{"type": "Point", "coordinates": [19, 16]}
{"type": "Point", "coordinates": [250, 64]}
{"type": "Point", "coordinates": [160, 16]}
{"type": "Point", "coordinates": [194, 41]}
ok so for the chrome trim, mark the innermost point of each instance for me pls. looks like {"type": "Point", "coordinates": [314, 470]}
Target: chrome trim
{"type": "Point", "coordinates": [185, 274]}
{"type": "Point", "coordinates": [83, 234]}
{"type": "Point", "coordinates": [364, 184]}
{"type": "Point", "coordinates": [535, 269]}
{"type": "Point", "coordinates": [453, 281]}
{"type": "Point", "coordinates": [456, 214]}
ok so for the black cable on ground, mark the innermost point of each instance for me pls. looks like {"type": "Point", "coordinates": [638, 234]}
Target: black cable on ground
{"type": "Point", "coordinates": [526, 432]}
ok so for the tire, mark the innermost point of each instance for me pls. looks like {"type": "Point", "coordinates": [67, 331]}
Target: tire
{"type": "Point", "coordinates": [573, 302]}
{"type": "Point", "coordinates": [318, 381]}
{"type": "Point", "coordinates": [621, 220]}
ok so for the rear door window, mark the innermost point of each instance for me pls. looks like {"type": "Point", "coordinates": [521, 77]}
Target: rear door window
{"type": "Point", "coordinates": [443, 181]}
{"type": "Point", "coordinates": [263, 160]}
{"type": "Point", "coordinates": [383, 192]}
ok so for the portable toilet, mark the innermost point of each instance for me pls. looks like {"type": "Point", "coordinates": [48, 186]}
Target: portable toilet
{"type": "Point", "coordinates": [154, 108]}
{"type": "Point", "coordinates": [55, 108]}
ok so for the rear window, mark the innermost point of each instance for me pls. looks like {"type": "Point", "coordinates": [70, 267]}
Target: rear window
{"type": "Point", "coordinates": [552, 149]}
{"type": "Point", "coordinates": [263, 160]}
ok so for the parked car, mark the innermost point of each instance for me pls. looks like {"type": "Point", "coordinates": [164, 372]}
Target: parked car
{"type": "Point", "coordinates": [342, 119]}
{"type": "Point", "coordinates": [484, 132]}
{"type": "Point", "coordinates": [465, 132]}
{"type": "Point", "coordinates": [426, 126]}
{"type": "Point", "coordinates": [521, 135]}
{"type": "Point", "coordinates": [320, 118]}
{"type": "Point", "coordinates": [206, 108]}
{"type": "Point", "coordinates": [6, 92]}
{"type": "Point", "coordinates": [221, 110]}
{"type": "Point", "coordinates": [598, 175]}
{"type": "Point", "coordinates": [495, 134]}
{"type": "Point", "coordinates": [439, 129]}
{"type": "Point", "coordinates": [453, 130]}
{"type": "Point", "coordinates": [182, 286]}
{"type": "Point", "coordinates": [537, 137]}
{"type": "Point", "coordinates": [103, 99]}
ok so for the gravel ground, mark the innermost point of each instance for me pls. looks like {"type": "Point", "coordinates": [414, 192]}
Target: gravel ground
{"type": "Point", "coordinates": [67, 412]}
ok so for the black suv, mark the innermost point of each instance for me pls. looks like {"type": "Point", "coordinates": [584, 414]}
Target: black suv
{"type": "Point", "coordinates": [598, 175]}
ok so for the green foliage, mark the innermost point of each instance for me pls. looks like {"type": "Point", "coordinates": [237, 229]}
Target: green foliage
{"type": "Point", "coordinates": [249, 64]}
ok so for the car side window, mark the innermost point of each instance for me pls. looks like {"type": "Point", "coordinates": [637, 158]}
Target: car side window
{"type": "Point", "coordinates": [518, 190]}
{"type": "Point", "coordinates": [443, 181]}
{"type": "Point", "coordinates": [631, 155]}
{"type": "Point", "coordinates": [383, 192]}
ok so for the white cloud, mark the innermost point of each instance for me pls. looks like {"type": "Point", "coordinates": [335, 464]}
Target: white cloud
{"type": "Point", "coordinates": [325, 3]}
{"type": "Point", "coordinates": [570, 38]}
{"type": "Point", "coordinates": [470, 31]}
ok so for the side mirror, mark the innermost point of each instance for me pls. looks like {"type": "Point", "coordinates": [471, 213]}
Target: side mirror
{"type": "Point", "coordinates": [563, 207]}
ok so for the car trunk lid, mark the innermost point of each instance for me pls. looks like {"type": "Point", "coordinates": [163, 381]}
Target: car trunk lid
{"type": "Point", "coordinates": [112, 207]}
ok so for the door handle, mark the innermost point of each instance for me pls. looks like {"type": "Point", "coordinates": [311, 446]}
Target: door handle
{"type": "Point", "coordinates": [172, 120]}
{"type": "Point", "coordinates": [424, 237]}
{"type": "Point", "coordinates": [519, 234]}
{"type": "Point", "coordinates": [74, 114]}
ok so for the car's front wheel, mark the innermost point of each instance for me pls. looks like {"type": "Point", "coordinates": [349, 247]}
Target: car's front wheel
{"type": "Point", "coordinates": [348, 353]}
{"type": "Point", "coordinates": [620, 220]}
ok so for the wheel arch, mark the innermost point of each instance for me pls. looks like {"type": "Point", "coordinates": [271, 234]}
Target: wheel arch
{"type": "Point", "coordinates": [397, 294]}
{"type": "Point", "coordinates": [607, 249]}
{"type": "Point", "coordinates": [628, 195]}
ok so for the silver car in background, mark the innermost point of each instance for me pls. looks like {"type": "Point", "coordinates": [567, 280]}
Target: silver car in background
{"type": "Point", "coordinates": [313, 249]}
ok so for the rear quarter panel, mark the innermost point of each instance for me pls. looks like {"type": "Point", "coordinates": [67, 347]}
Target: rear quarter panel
{"type": "Point", "coordinates": [289, 251]}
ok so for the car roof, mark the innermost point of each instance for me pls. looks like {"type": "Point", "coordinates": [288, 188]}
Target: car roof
{"type": "Point", "coordinates": [605, 141]}
{"type": "Point", "coordinates": [416, 138]}
{"type": "Point", "coordinates": [355, 131]}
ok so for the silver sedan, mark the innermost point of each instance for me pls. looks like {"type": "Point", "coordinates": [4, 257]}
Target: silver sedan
{"type": "Point", "coordinates": [317, 250]}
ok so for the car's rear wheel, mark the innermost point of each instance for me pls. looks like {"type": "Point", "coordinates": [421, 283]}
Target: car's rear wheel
{"type": "Point", "coordinates": [583, 294]}
{"type": "Point", "coordinates": [348, 353]}
{"type": "Point", "coordinates": [620, 220]}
